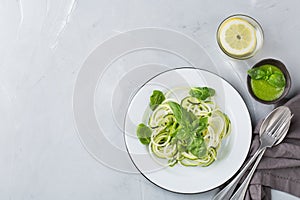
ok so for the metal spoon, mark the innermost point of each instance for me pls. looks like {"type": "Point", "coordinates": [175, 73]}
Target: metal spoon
{"type": "Point", "coordinates": [269, 125]}
{"type": "Point", "coordinates": [241, 192]}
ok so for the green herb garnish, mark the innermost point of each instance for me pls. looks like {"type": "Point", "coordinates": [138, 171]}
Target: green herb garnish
{"type": "Point", "coordinates": [274, 78]}
{"type": "Point", "coordinates": [277, 80]}
{"type": "Point", "coordinates": [202, 93]}
{"type": "Point", "coordinates": [156, 98]}
{"type": "Point", "coordinates": [179, 130]}
{"type": "Point", "coordinates": [143, 132]}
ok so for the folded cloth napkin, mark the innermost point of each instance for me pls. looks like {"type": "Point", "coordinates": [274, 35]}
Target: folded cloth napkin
{"type": "Point", "coordinates": [279, 168]}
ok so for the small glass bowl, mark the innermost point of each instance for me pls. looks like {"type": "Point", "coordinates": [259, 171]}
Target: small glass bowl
{"type": "Point", "coordinates": [285, 72]}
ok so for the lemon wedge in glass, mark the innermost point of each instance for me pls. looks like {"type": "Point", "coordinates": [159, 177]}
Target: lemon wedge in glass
{"type": "Point", "coordinates": [237, 37]}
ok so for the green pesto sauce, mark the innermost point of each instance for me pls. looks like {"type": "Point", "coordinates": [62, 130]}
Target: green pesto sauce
{"type": "Point", "coordinates": [263, 90]}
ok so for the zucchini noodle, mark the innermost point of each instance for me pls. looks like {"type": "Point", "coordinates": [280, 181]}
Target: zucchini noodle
{"type": "Point", "coordinates": [190, 135]}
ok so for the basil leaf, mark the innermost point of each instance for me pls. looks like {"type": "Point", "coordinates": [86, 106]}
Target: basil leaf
{"type": "Point", "coordinates": [156, 98]}
{"type": "Point", "coordinates": [177, 112]}
{"type": "Point", "coordinates": [187, 117]}
{"type": "Point", "coordinates": [183, 117]}
{"type": "Point", "coordinates": [188, 135]}
{"type": "Point", "coordinates": [277, 80]}
{"type": "Point", "coordinates": [198, 147]}
{"type": "Point", "coordinates": [182, 134]}
{"type": "Point", "coordinates": [257, 73]}
{"type": "Point", "coordinates": [143, 132]}
{"type": "Point", "coordinates": [183, 139]}
{"type": "Point", "coordinates": [269, 71]}
{"type": "Point", "coordinates": [200, 125]}
{"type": "Point", "coordinates": [202, 93]}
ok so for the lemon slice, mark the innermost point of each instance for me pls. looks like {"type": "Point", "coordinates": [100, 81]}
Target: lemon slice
{"type": "Point", "coordinates": [237, 37]}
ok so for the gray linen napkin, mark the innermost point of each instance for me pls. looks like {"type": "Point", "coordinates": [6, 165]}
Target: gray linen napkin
{"type": "Point", "coordinates": [279, 168]}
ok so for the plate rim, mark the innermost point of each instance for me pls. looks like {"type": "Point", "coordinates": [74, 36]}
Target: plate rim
{"type": "Point", "coordinates": [174, 69]}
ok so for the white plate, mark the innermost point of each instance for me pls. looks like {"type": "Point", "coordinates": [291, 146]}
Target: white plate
{"type": "Point", "coordinates": [234, 148]}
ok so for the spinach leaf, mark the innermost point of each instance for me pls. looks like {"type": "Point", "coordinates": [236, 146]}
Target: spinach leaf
{"type": "Point", "coordinates": [143, 132]}
{"type": "Point", "coordinates": [201, 93]}
{"type": "Point", "coordinates": [156, 98]}
{"type": "Point", "coordinates": [257, 73]}
{"type": "Point", "coordinates": [277, 80]}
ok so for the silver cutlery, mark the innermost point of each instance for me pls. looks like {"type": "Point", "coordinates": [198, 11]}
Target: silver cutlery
{"type": "Point", "coordinates": [269, 135]}
{"type": "Point", "coordinates": [281, 132]}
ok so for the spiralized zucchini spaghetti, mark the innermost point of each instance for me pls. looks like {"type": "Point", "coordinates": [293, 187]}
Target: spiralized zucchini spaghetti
{"type": "Point", "coordinates": [189, 131]}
